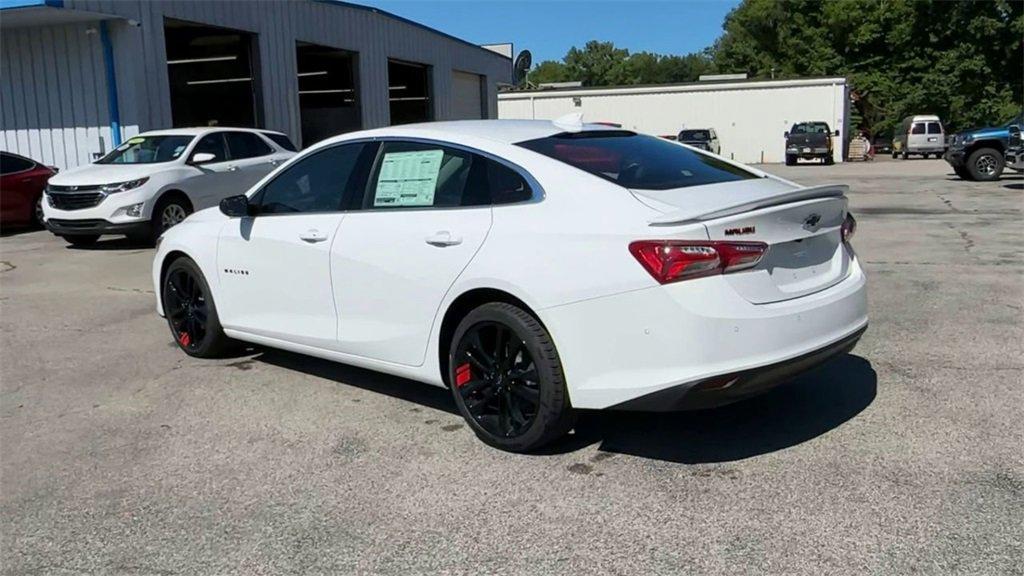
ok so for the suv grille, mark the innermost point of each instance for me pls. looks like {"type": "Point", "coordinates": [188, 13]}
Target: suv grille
{"type": "Point", "coordinates": [74, 197]}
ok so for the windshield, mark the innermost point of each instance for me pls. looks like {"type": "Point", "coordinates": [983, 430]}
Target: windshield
{"type": "Point", "coordinates": [148, 150]}
{"type": "Point", "coordinates": [695, 135]}
{"type": "Point", "coordinates": [635, 160]}
{"type": "Point", "coordinates": [810, 128]}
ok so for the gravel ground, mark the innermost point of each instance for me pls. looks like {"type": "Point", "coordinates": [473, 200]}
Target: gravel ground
{"type": "Point", "coordinates": [120, 455]}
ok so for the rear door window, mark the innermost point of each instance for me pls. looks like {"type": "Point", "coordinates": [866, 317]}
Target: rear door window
{"type": "Point", "coordinates": [244, 145]}
{"type": "Point", "coordinates": [918, 128]}
{"type": "Point", "coordinates": [418, 175]}
{"type": "Point", "coordinates": [635, 160]}
{"type": "Point", "coordinates": [934, 128]}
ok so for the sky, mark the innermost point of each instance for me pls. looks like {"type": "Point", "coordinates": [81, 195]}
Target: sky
{"type": "Point", "coordinates": [549, 28]}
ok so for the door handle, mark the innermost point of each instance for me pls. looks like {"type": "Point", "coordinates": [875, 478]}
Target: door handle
{"type": "Point", "coordinates": [232, 168]}
{"type": "Point", "coordinates": [312, 236]}
{"type": "Point", "coordinates": [443, 238]}
{"type": "Point", "coordinates": [273, 162]}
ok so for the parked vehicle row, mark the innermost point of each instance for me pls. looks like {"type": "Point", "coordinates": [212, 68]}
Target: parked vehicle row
{"type": "Point", "coordinates": [463, 255]}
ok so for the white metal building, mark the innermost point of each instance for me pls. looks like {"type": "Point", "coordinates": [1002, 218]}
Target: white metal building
{"type": "Point", "coordinates": [750, 116]}
{"type": "Point", "coordinates": [79, 76]}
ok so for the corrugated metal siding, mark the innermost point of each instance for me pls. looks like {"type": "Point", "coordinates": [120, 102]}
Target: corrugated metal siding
{"type": "Point", "coordinates": [140, 59]}
{"type": "Point", "coordinates": [750, 121]}
{"type": "Point", "coordinates": [53, 94]}
{"type": "Point", "coordinates": [279, 24]}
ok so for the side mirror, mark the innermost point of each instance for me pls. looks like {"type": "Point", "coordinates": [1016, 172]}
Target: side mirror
{"type": "Point", "coordinates": [785, 134]}
{"type": "Point", "coordinates": [836, 133]}
{"type": "Point", "coordinates": [237, 206]}
{"type": "Point", "coordinates": [202, 158]}
{"type": "Point", "coordinates": [1015, 131]}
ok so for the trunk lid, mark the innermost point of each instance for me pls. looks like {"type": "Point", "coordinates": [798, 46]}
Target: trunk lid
{"type": "Point", "coordinates": [801, 226]}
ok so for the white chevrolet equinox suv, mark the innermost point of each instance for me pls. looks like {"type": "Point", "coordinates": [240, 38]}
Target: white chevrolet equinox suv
{"type": "Point", "coordinates": [154, 180]}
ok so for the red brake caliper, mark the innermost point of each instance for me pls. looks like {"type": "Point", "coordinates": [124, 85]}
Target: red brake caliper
{"type": "Point", "coordinates": [463, 374]}
{"type": "Point", "coordinates": [184, 339]}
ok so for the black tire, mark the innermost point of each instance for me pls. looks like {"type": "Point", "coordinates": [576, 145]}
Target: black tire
{"type": "Point", "coordinates": [905, 155]}
{"type": "Point", "coordinates": [985, 164]}
{"type": "Point", "coordinates": [37, 213]}
{"type": "Point", "coordinates": [790, 160]}
{"type": "Point", "coordinates": [82, 240]}
{"type": "Point", "coordinates": [507, 380]}
{"type": "Point", "coordinates": [829, 160]}
{"type": "Point", "coordinates": [963, 172]}
{"type": "Point", "coordinates": [191, 312]}
{"type": "Point", "coordinates": [894, 154]}
{"type": "Point", "coordinates": [169, 211]}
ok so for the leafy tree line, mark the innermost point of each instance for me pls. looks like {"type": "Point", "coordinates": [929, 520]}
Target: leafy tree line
{"type": "Point", "coordinates": [961, 60]}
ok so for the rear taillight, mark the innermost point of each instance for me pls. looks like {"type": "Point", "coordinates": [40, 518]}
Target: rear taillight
{"type": "Point", "coordinates": [675, 260]}
{"type": "Point", "coordinates": [849, 227]}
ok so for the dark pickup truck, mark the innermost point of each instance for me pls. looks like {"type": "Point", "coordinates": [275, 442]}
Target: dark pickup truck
{"type": "Point", "coordinates": [979, 154]}
{"type": "Point", "coordinates": [809, 140]}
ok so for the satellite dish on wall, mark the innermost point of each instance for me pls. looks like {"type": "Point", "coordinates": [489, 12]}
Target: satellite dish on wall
{"type": "Point", "coordinates": [522, 67]}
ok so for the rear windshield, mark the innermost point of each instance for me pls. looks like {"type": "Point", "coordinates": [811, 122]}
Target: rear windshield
{"type": "Point", "coordinates": [635, 160]}
{"type": "Point", "coordinates": [810, 128]}
{"type": "Point", "coordinates": [695, 135]}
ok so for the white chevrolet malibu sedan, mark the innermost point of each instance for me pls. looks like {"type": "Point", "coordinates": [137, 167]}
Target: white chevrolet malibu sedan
{"type": "Point", "coordinates": [531, 267]}
{"type": "Point", "coordinates": [154, 180]}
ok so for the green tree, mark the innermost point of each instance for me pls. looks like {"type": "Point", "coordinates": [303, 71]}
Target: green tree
{"type": "Point", "coordinates": [961, 60]}
{"type": "Point", "coordinates": [602, 64]}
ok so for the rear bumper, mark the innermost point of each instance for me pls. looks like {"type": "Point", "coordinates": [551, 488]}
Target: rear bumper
{"type": "Point", "coordinates": [627, 346]}
{"type": "Point", "coordinates": [808, 152]}
{"type": "Point", "coordinates": [731, 388]}
{"type": "Point", "coordinates": [93, 227]}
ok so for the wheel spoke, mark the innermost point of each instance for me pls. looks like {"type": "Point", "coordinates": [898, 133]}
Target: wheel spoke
{"type": "Point", "coordinates": [487, 362]}
{"type": "Point", "coordinates": [526, 393]}
{"type": "Point", "coordinates": [477, 404]}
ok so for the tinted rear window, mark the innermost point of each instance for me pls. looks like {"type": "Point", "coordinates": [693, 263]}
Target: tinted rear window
{"type": "Point", "coordinates": [810, 128]}
{"type": "Point", "coordinates": [635, 160]}
{"type": "Point", "coordinates": [695, 135]}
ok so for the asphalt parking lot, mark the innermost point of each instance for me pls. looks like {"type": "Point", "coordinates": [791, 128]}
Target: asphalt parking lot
{"type": "Point", "coordinates": [120, 455]}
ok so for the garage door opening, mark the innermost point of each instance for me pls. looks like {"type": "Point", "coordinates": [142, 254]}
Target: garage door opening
{"type": "Point", "coordinates": [467, 96]}
{"type": "Point", "coordinates": [409, 92]}
{"type": "Point", "coordinates": [328, 96]}
{"type": "Point", "coordinates": [211, 75]}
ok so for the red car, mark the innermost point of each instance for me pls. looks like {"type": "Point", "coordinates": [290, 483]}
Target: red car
{"type": "Point", "coordinates": [21, 190]}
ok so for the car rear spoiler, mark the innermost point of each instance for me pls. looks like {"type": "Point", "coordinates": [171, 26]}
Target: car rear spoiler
{"type": "Point", "coordinates": [699, 214]}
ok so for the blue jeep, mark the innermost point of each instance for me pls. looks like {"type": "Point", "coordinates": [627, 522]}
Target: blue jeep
{"type": "Point", "coordinates": [980, 154]}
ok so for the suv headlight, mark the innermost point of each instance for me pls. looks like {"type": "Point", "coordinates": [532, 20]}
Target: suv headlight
{"type": "Point", "coordinates": [123, 186]}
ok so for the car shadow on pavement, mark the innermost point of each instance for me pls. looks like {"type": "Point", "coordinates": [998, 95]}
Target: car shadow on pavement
{"type": "Point", "coordinates": [394, 386]}
{"type": "Point", "coordinates": [116, 243]}
{"type": "Point", "coordinates": [803, 409]}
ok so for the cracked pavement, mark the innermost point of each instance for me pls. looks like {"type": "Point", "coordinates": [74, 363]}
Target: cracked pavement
{"type": "Point", "coordinates": [119, 455]}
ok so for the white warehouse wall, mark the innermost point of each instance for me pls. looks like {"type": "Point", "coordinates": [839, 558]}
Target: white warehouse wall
{"type": "Point", "coordinates": [749, 116]}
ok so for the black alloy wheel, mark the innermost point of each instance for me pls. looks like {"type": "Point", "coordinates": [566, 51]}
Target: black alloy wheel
{"type": "Point", "coordinates": [497, 379]}
{"type": "Point", "coordinates": [506, 378]}
{"type": "Point", "coordinates": [187, 309]}
{"type": "Point", "coordinates": [191, 313]}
